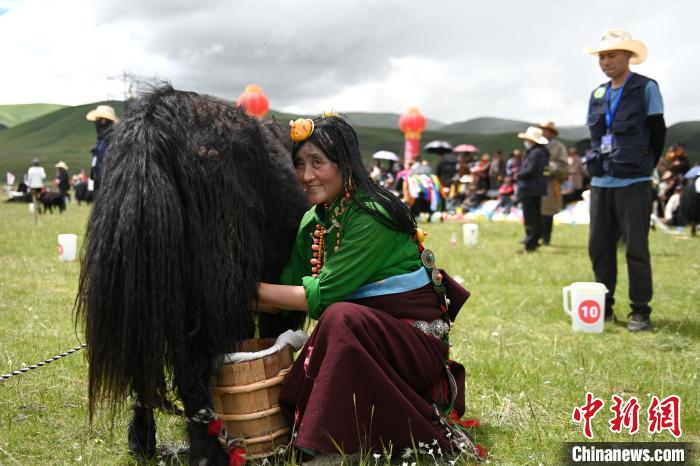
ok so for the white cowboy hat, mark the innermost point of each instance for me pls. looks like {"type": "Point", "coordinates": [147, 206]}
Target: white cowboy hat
{"type": "Point", "coordinates": [617, 39]}
{"type": "Point", "coordinates": [61, 164]}
{"type": "Point", "coordinates": [534, 134]}
{"type": "Point", "coordinates": [102, 111]}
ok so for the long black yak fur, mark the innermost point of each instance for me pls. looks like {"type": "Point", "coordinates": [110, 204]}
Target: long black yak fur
{"type": "Point", "coordinates": [198, 204]}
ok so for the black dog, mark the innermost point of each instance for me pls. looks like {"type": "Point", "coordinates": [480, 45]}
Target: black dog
{"type": "Point", "coordinates": [198, 204]}
{"type": "Point", "coordinates": [49, 200]}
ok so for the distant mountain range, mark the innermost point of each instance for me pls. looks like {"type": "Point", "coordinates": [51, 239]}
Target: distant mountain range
{"type": "Point", "coordinates": [488, 125]}
{"type": "Point", "coordinates": [55, 132]}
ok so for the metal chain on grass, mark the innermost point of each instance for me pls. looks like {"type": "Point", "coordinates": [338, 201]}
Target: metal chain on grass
{"type": "Point", "coordinates": [4, 377]}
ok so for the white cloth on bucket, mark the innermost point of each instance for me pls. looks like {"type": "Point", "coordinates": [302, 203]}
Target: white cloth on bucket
{"type": "Point", "coordinates": [296, 339]}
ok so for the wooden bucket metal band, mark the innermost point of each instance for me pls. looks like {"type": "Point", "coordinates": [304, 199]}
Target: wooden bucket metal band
{"type": "Point", "coordinates": [249, 416]}
{"type": "Point", "coordinates": [271, 382]}
{"type": "Point", "coordinates": [268, 437]}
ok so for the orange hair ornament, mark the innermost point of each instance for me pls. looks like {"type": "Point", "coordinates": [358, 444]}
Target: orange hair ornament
{"type": "Point", "coordinates": [302, 128]}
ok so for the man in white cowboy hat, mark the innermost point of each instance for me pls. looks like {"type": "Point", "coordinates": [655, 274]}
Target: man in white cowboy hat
{"type": "Point", "coordinates": [104, 117]}
{"type": "Point", "coordinates": [625, 119]}
{"type": "Point", "coordinates": [532, 184]}
{"type": "Point", "coordinates": [62, 179]}
{"type": "Point", "coordinates": [558, 171]}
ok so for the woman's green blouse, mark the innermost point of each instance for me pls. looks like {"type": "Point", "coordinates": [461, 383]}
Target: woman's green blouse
{"type": "Point", "coordinates": [369, 251]}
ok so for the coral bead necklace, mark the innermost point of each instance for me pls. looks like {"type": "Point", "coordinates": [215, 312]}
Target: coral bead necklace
{"type": "Point", "coordinates": [318, 251]}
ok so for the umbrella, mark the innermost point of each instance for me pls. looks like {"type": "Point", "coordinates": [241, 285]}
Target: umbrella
{"type": "Point", "coordinates": [466, 148]}
{"type": "Point", "coordinates": [693, 172]}
{"type": "Point", "coordinates": [438, 147]}
{"type": "Point", "coordinates": [385, 155]}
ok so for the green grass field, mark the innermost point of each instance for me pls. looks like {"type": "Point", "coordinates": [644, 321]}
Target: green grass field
{"type": "Point", "coordinates": [526, 369]}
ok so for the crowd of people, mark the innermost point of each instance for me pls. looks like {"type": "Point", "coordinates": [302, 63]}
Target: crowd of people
{"type": "Point", "coordinates": [33, 185]}
{"type": "Point", "coordinates": [468, 179]}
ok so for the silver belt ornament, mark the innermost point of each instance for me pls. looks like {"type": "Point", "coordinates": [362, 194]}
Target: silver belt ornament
{"type": "Point", "coordinates": [437, 328]}
{"type": "Point", "coordinates": [428, 259]}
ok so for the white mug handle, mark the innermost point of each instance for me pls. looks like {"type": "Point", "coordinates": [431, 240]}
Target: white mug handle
{"type": "Point", "coordinates": [567, 309]}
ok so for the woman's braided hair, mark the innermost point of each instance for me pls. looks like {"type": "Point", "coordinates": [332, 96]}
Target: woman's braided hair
{"type": "Point", "coordinates": [338, 141]}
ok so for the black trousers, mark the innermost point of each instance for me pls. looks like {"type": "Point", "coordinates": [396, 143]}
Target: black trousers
{"type": "Point", "coordinates": [531, 217]}
{"type": "Point", "coordinates": [622, 214]}
{"type": "Point", "coordinates": [546, 227]}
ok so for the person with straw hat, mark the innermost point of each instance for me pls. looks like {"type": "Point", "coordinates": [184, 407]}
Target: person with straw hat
{"type": "Point", "coordinates": [532, 184]}
{"type": "Point", "coordinates": [558, 171]}
{"type": "Point", "coordinates": [104, 117]}
{"type": "Point", "coordinates": [626, 123]}
{"type": "Point", "coordinates": [62, 179]}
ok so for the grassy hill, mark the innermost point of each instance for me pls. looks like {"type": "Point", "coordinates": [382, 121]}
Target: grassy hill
{"type": "Point", "coordinates": [12, 115]}
{"type": "Point", "coordinates": [64, 134]}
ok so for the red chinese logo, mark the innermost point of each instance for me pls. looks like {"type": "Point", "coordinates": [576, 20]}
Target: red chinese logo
{"type": "Point", "coordinates": [626, 415]}
{"type": "Point", "coordinates": [665, 415]}
{"type": "Point", "coordinates": [587, 412]}
{"type": "Point", "coordinates": [662, 415]}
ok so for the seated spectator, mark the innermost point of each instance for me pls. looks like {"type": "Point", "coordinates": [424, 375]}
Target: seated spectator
{"type": "Point", "coordinates": [671, 211]}
{"type": "Point", "coordinates": [506, 195]}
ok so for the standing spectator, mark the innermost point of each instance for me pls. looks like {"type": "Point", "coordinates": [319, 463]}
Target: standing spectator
{"type": "Point", "coordinates": [35, 178]}
{"type": "Point", "coordinates": [446, 170]}
{"type": "Point", "coordinates": [558, 171]}
{"type": "Point", "coordinates": [62, 180]}
{"type": "Point", "coordinates": [624, 153]}
{"type": "Point", "coordinates": [577, 171]}
{"type": "Point", "coordinates": [532, 184]}
{"type": "Point", "coordinates": [104, 117]}
{"type": "Point", "coordinates": [497, 170]}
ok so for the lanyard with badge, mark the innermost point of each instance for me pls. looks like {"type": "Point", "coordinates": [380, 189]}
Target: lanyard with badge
{"type": "Point", "coordinates": [606, 142]}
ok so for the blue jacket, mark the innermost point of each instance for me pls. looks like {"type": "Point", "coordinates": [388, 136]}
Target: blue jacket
{"type": "Point", "coordinates": [631, 154]}
{"type": "Point", "coordinates": [531, 178]}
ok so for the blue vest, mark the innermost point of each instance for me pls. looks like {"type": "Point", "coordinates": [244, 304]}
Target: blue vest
{"type": "Point", "coordinates": [631, 154]}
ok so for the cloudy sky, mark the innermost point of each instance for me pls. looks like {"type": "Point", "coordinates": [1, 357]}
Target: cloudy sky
{"type": "Point", "coordinates": [455, 60]}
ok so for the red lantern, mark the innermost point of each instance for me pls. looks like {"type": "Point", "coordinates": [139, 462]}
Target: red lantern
{"type": "Point", "coordinates": [412, 124]}
{"type": "Point", "coordinates": [253, 101]}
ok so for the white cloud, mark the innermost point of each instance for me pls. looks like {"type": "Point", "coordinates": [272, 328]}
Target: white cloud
{"type": "Point", "coordinates": [453, 59]}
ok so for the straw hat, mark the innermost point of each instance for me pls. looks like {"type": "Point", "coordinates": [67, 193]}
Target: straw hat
{"type": "Point", "coordinates": [61, 164]}
{"type": "Point", "coordinates": [534, 134]}
{"type": "Point", "coordinates": [102, 111]}
{"type": "Point", "coordinates": [617, 39]}
{"type": "Point", "coordinates": [550, 126]}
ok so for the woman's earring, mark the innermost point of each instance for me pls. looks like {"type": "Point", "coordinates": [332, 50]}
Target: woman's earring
{"type": "Point", "coordinates": [348, 189]}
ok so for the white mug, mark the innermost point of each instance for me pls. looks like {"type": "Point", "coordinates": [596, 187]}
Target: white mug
{"type": "Point", "coordinates": [67, 247]}
{"type": "Point", "coordinates": [585, 303]}
{"type": "Point", "coordinates": [470, 233]}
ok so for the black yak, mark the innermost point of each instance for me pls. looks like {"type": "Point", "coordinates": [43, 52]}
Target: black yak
{"type": "Point", "coordinates": [199, 203]}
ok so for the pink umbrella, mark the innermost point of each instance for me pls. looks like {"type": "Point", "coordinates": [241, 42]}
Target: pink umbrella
{"type": "Point", "coordinates": [466, 148]}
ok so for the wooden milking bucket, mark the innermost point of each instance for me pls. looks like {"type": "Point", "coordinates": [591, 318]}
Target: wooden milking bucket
{"type": "Point", "coordinates": [246, 395]}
